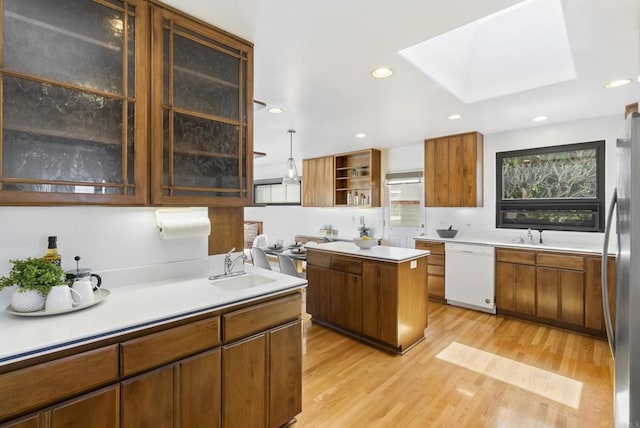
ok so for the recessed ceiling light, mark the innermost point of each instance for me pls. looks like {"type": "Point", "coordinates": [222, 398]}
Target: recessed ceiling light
{"type": "Point", "coordinates": [361, 135]}
{"type": "Point", "coordinates": [276, 110]}
{"type": "Point", "coordinates": [617, 83]}
{"type": "Point", "coordinates": [455, 116]}
{"type": "Point", "coordinates": [540, 118]}
{"type": "Point", "coordinates": [382, 72]}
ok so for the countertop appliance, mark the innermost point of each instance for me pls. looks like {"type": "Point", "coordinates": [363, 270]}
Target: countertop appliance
{"type": "Point", "coordinates": [469, 276]}
{"type": "Point", "coordinates": [624, 341]}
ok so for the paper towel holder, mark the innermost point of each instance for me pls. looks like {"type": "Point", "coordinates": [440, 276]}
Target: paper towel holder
{"type": "Point", "coordinates": [167, 210]}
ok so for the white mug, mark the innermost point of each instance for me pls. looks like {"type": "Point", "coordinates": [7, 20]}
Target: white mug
{"type": "Point", "coordinates": [61, 298]}
{"type": "Point", "coordinates": [84, 287]}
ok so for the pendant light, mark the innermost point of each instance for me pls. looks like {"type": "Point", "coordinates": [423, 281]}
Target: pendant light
{"type": "Point", "coordinates": [291, 176]}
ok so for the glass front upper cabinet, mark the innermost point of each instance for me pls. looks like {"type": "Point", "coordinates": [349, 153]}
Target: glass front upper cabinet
{"type": "Point", "coordinates": [74, 91]}
{"type": "Point", "coordinates": [202, 102]}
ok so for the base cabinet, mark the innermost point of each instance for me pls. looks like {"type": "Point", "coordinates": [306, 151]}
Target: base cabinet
{"type": "Point", "coordinates": [237, 368]}
{"type": "Point", "coordinates": [99, 409]}
{"type": "Point", "coordinates": [383, 303]}
{"type": "Point", "coordinates": [556, 288]}
{"type": "Point", "coordinates": [147, 400]}
{"type": "Point", "coordinates": [244, 385]}
{"type": "Point", "coordinates": [435, 269]}
{"type": "Point", "coordinates": [262, 378]}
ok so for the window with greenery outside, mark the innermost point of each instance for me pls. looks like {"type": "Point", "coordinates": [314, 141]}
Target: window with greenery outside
{"type": "Point", "coordinates": [557, 187]}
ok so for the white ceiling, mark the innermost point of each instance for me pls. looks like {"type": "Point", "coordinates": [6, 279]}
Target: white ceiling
{"type": "Point", "coordinates": [314, 60]}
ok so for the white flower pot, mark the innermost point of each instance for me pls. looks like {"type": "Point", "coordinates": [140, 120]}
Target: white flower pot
{"type": "Point", "coordinates": [26, 301]}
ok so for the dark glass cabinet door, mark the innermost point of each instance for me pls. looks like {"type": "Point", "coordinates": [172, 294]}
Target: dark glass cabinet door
{"type": "Point", "coordinates": [74, 90]}
{"type": "Point", "coordinates": [201, 97]}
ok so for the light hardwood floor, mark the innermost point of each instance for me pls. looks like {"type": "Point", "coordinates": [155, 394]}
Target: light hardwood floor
{"type": "Point", "coordinates": [491, 372]}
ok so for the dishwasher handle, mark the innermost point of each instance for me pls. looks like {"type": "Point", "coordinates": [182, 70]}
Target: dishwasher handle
{"type": "Point", "coordinates": [469, 249]}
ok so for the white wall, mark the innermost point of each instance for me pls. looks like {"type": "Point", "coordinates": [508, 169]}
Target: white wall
{"type": "Point", "coordinates": [284, 222]}
{"type": "Point", "coordinates": [104, 237]}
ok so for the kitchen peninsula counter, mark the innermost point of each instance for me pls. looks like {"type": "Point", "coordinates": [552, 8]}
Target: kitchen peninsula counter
{"type": "Point", "coordinates": [128, 309]}
{"type": "Point", "coordinates": [187, 351]}
{"type": "Point", "coordinates": [378, 295]}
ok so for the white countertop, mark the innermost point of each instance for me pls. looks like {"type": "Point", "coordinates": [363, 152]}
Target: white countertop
{"type": "Point", "coordinates": [379, 252]}
{"type": "Point", "coordinates": [128, 308]}
{"type": "Point", "coordinates": [579, 247]}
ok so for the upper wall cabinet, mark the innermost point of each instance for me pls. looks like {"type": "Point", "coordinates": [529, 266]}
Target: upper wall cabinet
{"type": "Point", "coordinates": [201, 108]}
{"type": "Point", "coordinates": [345, 179]}
{"type": "Point", "coordinates": [453, 170]}
{"type": "Point", "coordinates": [317, 182]}
{"type": "Point", "coordinates": [74, 90]}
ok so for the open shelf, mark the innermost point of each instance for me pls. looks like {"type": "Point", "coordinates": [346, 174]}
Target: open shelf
{"type": "Point", "coordinates": [357, 178]}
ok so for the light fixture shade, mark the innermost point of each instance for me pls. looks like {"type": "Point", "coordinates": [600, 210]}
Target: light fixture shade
{"type": "Point", "coordinates": [291, 176]}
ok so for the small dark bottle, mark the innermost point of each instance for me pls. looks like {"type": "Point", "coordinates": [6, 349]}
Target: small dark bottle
{"type": "Point", "coordinates": [52, 253]}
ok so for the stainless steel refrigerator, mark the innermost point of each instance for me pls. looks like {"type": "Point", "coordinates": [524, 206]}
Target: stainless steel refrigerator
{"type": "Point", "coordinates": [624, 334]}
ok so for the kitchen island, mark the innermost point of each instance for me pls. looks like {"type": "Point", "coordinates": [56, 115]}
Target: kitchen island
{"type": "Point", "coordinates": [377, 295]}
{"type": "Point", "coordinates": [175, 352]}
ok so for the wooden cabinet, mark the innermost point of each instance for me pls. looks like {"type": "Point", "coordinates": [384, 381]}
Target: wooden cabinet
{"type": "Point", "coordinates": [241, 366]}
{"type": "Point", "coordinates": [262, 373]}
{"type": "Point", "coordinates": [435, 269]}
{"type": "Point", "coordinates": [244, 367]}
{"type": "Point", "coordinates": [383, 303]}
{"type": "Point", "coordinates": [99, 409]}
{"type": "Point", "coordinates": [516, 281]}
{"type": "Point", "coordinates": [147, 400]}
{"type": "Point", "coordinates": [184, 394]}
{"type": "Point", "coordinates": [90, 117]}
{"type": "Point", "coordinates": [317, 182]}
{"type": "Point", "coordinates": [357, 178]}
{"type": "Point", "coordinates": [593, 309]}
{"type": "Point", "coordinates": [346, 300]}
{"type": "Point", "coordinates": [453, 171]}
{"type": "Point", "coordinates": [285, 373]}
{"type": "Point", "coordinates": [346, 179]}
{"type": "Point", "coordinates": [74, 113]}
{"type": "Point", "coordinates": [556, 288]}
{"type": "Point", "coordinates": [201, 111]}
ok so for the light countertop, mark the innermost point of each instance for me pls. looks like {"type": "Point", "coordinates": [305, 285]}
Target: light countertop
{"type": "Point", "coordinates": [580, 247]}
{"type": "Point", "coordinates": [129, 308]}
{"type": "Point", "coordinates": [379, 252]}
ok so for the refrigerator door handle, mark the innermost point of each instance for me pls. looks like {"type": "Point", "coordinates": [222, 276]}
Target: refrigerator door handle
{"type": "Point", "coordinates": [605, 288]}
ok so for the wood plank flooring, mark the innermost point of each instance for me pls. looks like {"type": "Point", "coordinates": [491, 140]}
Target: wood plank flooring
{"type": "Point", "coordinates": [348, 384]}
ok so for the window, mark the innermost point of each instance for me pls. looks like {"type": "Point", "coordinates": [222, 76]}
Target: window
{"type": "Point", "coordinates": [405, 192]}
{"type": "Point", "coordinates": [273, 192]}
{"type": "Point", "coordinates": [551, 188]}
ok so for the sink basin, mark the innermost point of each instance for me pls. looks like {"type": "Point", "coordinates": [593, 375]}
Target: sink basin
{"type": "Point", "coordinates": [241, 282]}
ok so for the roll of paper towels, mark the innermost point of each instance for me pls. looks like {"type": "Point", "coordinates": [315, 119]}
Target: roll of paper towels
{"type": "Point", "coordinates": [185, 228]}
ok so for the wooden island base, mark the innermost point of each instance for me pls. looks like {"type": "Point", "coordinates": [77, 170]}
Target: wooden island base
{"type": "Point", "coordinates": [382, 302]}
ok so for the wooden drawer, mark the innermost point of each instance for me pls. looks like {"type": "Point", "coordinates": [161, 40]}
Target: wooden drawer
{"type": "Point", "coordinates": [561, 261]}
{"type": "Point", "coordinates": [435, 270]}
{"type": "Point", "coordinates": [160, 348]}
{"type": "Point", "coordinates": [36, 386]}
{"type": "Point", "coordinates": [516, 256]}
{"type": "Point", "coordinates": [434, 247]}
{"type": "Point", "coordinates": [254, 319]}
{"type": "Point", "coordinates": [317, 258]}
{"type": "Point", "coordinates": [346, 265]}
{"type": "Point", "coordinates": [435, 260]}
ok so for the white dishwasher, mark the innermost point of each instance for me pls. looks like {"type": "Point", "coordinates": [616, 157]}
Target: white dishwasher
{"type": "Point", "coordinates": [469, 276]}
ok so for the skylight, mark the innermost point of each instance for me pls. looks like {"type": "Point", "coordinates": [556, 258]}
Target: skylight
{"type": "Point", "coordinates": [519, 48]}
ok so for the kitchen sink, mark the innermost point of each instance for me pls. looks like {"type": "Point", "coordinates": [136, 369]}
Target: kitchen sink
{"type": "Point", "coordinates": [241, 282]}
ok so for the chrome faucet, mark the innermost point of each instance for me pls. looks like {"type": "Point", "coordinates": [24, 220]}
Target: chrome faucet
{"type": "Point", "coordinates": [229, 264]}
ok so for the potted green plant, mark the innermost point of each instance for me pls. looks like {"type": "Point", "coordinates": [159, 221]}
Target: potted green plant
{"type": "Point", "coordinates": [34, 278]}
